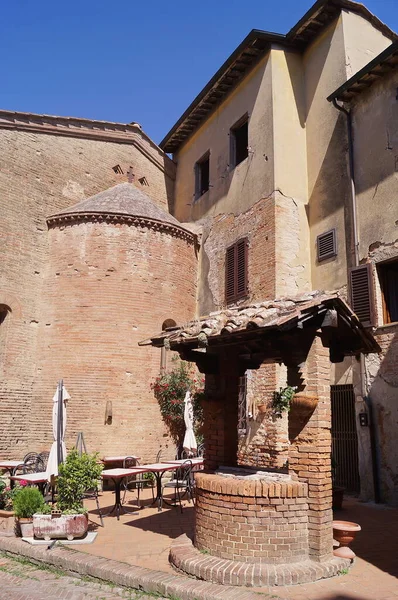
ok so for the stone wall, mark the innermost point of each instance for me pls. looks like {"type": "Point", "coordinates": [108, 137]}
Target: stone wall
{"type": "Point", "coordinates": [109, 286]}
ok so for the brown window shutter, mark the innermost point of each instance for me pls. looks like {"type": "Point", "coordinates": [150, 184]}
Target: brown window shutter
{"type": "Point", "coordinates": [362, 293]}
{"type": "Point", "coordinates": [326, 245]}
{"type": "Point", "coordinates": [236, 280]}
{"type": "Point", "coordinates": [230, 274]}
{"type": "Point", "coordinates": [241, 268]}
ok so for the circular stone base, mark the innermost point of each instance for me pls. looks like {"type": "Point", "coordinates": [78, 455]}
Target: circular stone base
{"type": "Point", "coordinates": [186, 558]}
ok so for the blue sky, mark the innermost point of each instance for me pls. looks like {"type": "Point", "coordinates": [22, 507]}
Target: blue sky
{"type": "Point", "coordinates": [130, 60]}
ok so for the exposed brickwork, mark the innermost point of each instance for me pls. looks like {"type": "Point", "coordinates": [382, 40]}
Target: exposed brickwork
{"type": "Point", "coordinates": [258, 225]}
{"type": "Point", "coordinates": [251, 521]}
{"type": "Point", "coordinates": [41, 174]}
{"type": "Point", "coordinates": [189, 560]}
{"type": "Point", "coordinates": [309, 454]}
{"type": "Point", "coordinates": [108, 286]}
{"type": "Point", "coordinates": [266, 441]}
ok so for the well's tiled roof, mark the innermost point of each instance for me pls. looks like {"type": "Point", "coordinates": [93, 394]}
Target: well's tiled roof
{"type": "Point", "coordinates": [279, 314]}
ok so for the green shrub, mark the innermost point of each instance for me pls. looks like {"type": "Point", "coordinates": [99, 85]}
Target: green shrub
{"type": "Point", "coordinates": [78, 474]}
{"type": "Point", "coordinates": [27, 501]}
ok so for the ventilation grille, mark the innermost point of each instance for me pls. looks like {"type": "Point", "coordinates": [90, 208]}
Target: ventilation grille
{"type": "Point", "coordinates": [326, 245]}
{"type": "Point", "coordinates": [361, 293]}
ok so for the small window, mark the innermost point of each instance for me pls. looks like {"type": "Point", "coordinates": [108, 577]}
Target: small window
{"type": "Point", "coordinates": [388, 277]}
{"type": "Point", "coordinates": [362, 293]}
{"type": "Point", "coordinates": [239, 141]}
{"type": "Point", "coordinates": [236, 275]}
{"type": "Point", "coordinates": [326, 245]}
{"type": "Point", "coordinates": [202, 175]}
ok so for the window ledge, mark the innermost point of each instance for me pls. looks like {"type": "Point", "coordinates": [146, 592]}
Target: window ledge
{"type": "Point", "coordinates": [387, 328]}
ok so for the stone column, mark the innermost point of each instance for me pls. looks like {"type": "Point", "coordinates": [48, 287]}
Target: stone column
{"type": "Point", "coordinates": [310, 450]}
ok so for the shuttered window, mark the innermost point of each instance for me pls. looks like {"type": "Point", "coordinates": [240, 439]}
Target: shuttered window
{"type": "Point", "coordinates": [326, 245]}
{"type": "Point", "coordinates": [236, 280]}
{"type": "Point", "coordinates": [361, 291]}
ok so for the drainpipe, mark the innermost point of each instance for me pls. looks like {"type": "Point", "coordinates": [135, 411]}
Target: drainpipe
{"type": "Point", "coordinates": [364, 388]}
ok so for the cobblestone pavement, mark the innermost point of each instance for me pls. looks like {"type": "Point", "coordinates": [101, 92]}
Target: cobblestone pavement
{"type": "Point", "coordinates": [20, 580]}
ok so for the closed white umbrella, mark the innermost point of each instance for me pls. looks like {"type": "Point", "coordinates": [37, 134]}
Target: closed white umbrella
{"type": "Point", "coordinates": [58, 449]}
{"type": "Point", "coordinates": [189, 443]}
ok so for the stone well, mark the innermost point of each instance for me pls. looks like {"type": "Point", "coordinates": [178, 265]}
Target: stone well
{"type": "Point", "coordinates": [252, 517]}
{"type": "Point", "coordinates": [251, 529]}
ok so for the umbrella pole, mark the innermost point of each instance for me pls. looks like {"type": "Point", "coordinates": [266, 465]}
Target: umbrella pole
{"type": "Point", "coordinates": [60, 422]}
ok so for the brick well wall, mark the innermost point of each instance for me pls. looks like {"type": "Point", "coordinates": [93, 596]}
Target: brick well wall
{"type": "Point", "coordinates": [251, 521]}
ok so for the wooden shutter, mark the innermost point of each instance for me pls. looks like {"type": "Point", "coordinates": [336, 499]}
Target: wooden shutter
{"type": "Point", "coordinates": [241, 268]}
{"type": "Point", "coordinates": [326, 245]}
{"type": "Point", "coordinates": [230, 274]}
{"type": "Point", "coordinates": [236, 280]}
{"type": "Point", "coordinates": [362, 293]}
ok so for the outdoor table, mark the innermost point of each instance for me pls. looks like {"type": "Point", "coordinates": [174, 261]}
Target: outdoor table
{"type": "Point", "coordinates": [10, 466]}
{"type": "Point", "coordinates": [117, 476]}
{"type": "Point", "coordinates": [118, 459]}
{"type": "Point", "coordinates": [39, 479]}
{"type": "Point", "coordinates": [196, 461]}
{"type": "Point", "coordinates": [158, 469]}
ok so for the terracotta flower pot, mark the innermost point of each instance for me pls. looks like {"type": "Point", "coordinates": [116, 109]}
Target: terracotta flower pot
{"type": "Point", "coordinates": [26, 526]}
{"type": "Point", "coordinates": [58, 527]}
{"type": "Point", "coordinates": [344, 532]}
{"type": "Point", "coordinates": [303, 405]}
{"type": "Point", "coordinates": [262, 408]}
{"type": "Point", "coordinates": [7, 523]}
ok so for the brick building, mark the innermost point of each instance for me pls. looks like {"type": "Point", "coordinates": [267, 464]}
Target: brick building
{"type": "Point", "coordinates": [105, 238]}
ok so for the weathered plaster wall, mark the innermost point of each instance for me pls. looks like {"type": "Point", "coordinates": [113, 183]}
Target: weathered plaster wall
{"type": "Point", "coordinates": [41, 174]}
{"type": "Point", "coordinates": [107, 287]}
{"type": "Point", "coordinates": [375, 118]}
{"type": "Point", "coordinates": [232, 190]}
{"type": "Point", "coordinates": [344, 48]}
{"type": "Point", "coordinates": [293, 274]}
{"type": "Point", "coordinates": [362, 41]}
{"type": "Point", "coordinates": [328, 185]}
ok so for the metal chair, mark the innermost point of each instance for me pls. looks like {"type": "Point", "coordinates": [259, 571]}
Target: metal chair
{"type": "Point", "coordinates": [44, 457]}
{"type": "Point", "coordinates": [201, 450]}
{"type": "Point", "coordinates": [134, 481]}
{"type": "Point", "coordinates": [32, 463]}
{"type": "Point", "coordinates": [158, 456]}
{"type": "Point", "coordinates": [181, 483]}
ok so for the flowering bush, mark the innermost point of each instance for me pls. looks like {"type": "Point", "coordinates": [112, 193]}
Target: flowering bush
{"type": "Point", "coordinates": [7, 494]}
{"type": "Point", "coordinates": [170, 390]}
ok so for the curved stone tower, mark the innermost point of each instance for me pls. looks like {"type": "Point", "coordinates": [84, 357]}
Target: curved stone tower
{"type": "Point", "coordinates": [119, 267]}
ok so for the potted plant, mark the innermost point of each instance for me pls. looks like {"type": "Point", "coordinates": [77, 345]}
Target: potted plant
{"type": "Point", "coordinates": [281, 399]}
{"type": "Point", "coordinates": [26, 502]}
{"type": "Point", "coordinates": [6, 510]}
{"type": "Point", "coordinates": [78, 474]}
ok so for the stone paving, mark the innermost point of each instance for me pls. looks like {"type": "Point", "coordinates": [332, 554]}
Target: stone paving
{"type": "Point", "coordinates": [22, 581]}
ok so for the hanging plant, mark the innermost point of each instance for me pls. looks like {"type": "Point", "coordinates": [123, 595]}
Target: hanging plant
{"type": "Point", "coordinates": [281, 399]}
{"type": "Point", "coordinates": [170, 390]}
